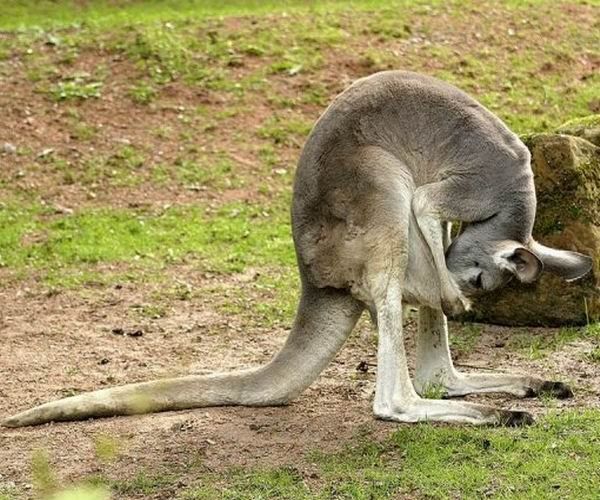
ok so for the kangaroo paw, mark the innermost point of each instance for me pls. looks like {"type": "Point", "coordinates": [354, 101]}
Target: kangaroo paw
{"type": "Point", "coordinates": [557, 390]}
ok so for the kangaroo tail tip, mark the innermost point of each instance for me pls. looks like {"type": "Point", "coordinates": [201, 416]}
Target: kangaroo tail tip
{"type": "Point", "coordinates": [14, 421]}
{"type": "Point", "coordinates": [33, 416]}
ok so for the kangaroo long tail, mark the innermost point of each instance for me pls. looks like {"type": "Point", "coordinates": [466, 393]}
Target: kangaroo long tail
{"type": "Point", "coordinates": [324, 320]}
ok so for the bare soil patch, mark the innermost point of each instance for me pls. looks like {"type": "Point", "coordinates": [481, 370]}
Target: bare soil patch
{"type": "Point", "coordinates": [171, 128]}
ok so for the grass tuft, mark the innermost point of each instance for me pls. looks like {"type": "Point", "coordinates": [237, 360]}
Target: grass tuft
{"type": "Point", "coordinates": [75, 89]}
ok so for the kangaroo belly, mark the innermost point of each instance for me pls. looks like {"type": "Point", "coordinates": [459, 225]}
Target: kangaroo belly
{"type": "Point", "coordinates": [337, 253]}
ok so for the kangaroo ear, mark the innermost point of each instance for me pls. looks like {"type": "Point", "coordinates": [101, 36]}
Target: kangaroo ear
{"type": "Point", "coordinates": [520, 261]}
{"type": "Point", "coordinates": [568, 265]}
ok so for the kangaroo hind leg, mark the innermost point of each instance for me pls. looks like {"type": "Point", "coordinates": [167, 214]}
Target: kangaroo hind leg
{"type": "Point", "coordinates": [434, 367]}
{"type": "Point", "coordinates": [395, 395]}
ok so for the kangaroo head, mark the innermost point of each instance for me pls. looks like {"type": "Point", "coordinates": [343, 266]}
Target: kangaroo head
{"type": "Point", "coordinates": [481, 265]}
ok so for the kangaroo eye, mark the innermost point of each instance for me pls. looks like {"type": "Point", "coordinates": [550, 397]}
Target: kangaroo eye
{"type": "Point", "coordinates": [476, 264]}
{"type": "Point", "coordinates": [478, 283]}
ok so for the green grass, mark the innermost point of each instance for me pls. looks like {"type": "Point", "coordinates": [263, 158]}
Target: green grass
{"type": "Point", "coordinates": [540, 346]}
{"type": "Point", "coordinates": [433, 391]}
{"type": "Point", "coordinates": [284, 482]}
{"type": "Point", "coordinates": [19, 14]}
{"type": "Point", "coordinates": [228, 240]}
{"type": "Point", "coordinates": [44, 477]}
{"type": "Point", "coordinates": [65, 250]}
{"type": "Point", "coordinates": [106, 447]}
{"type": "Point", "coordinates": [143, 483]}
{"type": "Point", "coordinates": [75, 89]}
{"type": "Point", "coordinates": [281, 131]}
{"type": "Point", "coordinates": [82, 131]}
{"type": "Point", "coordinates": [143, 93]}
{"type": "Point", "coordinates": [594, 355]}
{"type": "Point", "coordinates": [152, 311]}
{"type": "Point", "coordinates": [192, 47]}
{"type": "Point", "coordinates": [82, 493]}
{"type": "Point", "coordinates": [464, 338]}
{"type": "Point", "coordinates": [557, 458]}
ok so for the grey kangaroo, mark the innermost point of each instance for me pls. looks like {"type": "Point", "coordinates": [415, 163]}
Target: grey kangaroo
{"type": "Point", "coordinates": [390, 163]}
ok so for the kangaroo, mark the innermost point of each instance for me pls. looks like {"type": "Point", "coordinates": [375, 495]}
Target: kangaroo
{"type": "Point", "coordinates": [392, 161]}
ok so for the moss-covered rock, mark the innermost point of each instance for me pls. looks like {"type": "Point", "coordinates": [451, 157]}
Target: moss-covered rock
{"type": "Point", "coordinates": [588, 128]}
{"type": "Point", "coordinates": [567, 173]}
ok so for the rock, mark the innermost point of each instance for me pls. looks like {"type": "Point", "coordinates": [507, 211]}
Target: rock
{"type": "Point", "coordinates": [567, 178]}
{"type": "Point", "coordinates": [59, 209]}
{"type": "Point", "coordinates": [588, 128]}
{"type": "Point", "coordinates": [45, 152]}
{"type": "Point", "coordinates": [9, 148]}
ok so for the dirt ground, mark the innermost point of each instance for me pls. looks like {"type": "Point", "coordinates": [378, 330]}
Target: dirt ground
{"type": "Point", "coordinates": [57, 345]}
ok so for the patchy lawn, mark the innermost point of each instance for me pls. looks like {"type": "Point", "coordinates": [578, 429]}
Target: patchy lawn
{"type": "Point", "coordinates": [147, 155]}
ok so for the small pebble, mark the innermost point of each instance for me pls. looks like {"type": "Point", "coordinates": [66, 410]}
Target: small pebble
{"type": "Point", "coordinates": [363, 367]}
{"type": "Point", "coordinates": [9, 148]}
{"type": "Point", "coordinates": [45, 152]}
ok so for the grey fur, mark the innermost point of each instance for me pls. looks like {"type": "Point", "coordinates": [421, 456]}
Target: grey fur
{"type": "Point", "coordinates": [393, 157]}
{"type": "Point", "coordinates": [403, 135]}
